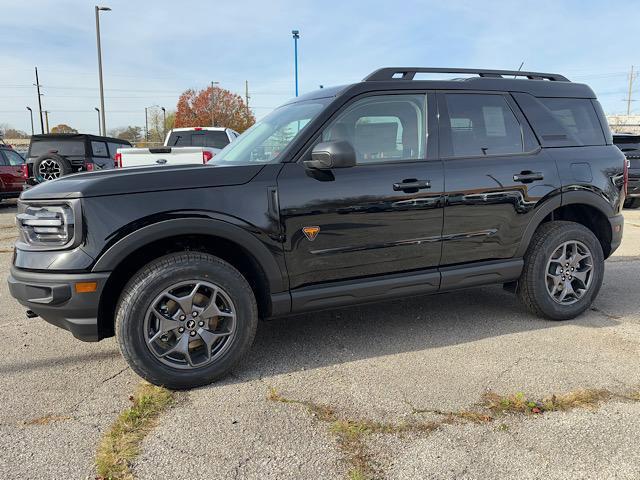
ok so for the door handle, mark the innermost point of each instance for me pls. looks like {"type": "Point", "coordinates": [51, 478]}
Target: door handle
{"type": "Point", "coordinates": [528, 177]}
{"type": "Point", "coordinates": [411, 185]}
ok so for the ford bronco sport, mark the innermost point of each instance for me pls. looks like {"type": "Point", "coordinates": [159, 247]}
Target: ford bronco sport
{"type": "Point", "coordinates": [393, 186]}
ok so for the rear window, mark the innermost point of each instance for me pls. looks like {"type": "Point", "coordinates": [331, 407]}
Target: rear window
{"type": "Point", "coordinates": [202, 138]}
{"type": "Point", "coordinates": [63, 147]}
{"type": "Point", "coordinates": [578, 117]}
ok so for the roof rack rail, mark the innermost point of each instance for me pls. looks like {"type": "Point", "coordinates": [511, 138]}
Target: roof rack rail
{"type": "Point", "coordinates": [407, 73]}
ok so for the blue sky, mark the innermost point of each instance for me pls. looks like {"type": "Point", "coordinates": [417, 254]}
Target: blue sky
{"type": "Point", "coordinates": [152, 51]}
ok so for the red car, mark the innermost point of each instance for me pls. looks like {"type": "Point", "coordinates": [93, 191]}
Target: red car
{"type": "Point", "coordinates": [12, 172]}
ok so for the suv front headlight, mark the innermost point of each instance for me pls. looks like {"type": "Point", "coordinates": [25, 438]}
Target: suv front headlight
{"type": "Point", "coordinates": [48, 225]}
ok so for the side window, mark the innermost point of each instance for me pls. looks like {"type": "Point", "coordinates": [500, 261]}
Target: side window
{"type": "Point", "coordinates": [99, 149]}
{"type": "Point", "coordinates": [482, 125]}
{"type": "Point", "coordinates": [383, 128]}
{"type": "Point", "coordinates": [113, 148]}
{"type": "Point", "coordinates": [14, 158]}
{"type": "Point", "coordinates": [578, 117]}
{"type": "Point", "coordinates": [3, 161]}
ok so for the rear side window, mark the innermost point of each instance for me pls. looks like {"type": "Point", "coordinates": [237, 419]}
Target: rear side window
{"type": "Point", "coordinates": [578, 117]}
{"type": "Point", "coordinates": [99, 149]}
{"type": "Point", "coordinates": [14, 158]}
{"type": "Point", "coordinates": [481, 125]}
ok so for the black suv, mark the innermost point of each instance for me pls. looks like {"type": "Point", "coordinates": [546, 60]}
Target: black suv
{"type": "Point", "coordinates": [53, 155]}
{"type": "Point", "coordinates": [630, 146]}
{"type": "Point", "coordinates": [386, 188]}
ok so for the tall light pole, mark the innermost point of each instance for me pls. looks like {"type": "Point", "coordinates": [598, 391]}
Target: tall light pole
{"type": "Point", "coordinates": [31, 113]}
{"type": "Point", "coordinates": [98, 10]}
{"type": "Point", "coordinates": [296, 36]}
{"type": "Point", "coordinates": [98, 110]}
{"type": "Point", "coordinates": [146, 125]}
{"type": "Point", "coordinates": [164, 122]}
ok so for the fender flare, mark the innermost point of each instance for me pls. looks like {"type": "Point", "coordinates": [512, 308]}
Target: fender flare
{"type": "Point", "coordinates": [582, 197]}
{"type": "Point", "coordinates": [112, 257]}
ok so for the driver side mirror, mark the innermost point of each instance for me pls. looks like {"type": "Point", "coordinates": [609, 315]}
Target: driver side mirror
{"type": "Point", "coordinates": [328, 155]}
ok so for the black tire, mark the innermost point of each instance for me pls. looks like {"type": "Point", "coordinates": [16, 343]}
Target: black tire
{"type": "Point", "coordinates": [63, 167]}
{"type": "Point", "coordinates": [632, 203]}
{"type": "Point", "coordinates": [138, 295]}
{"type": "Point", "coordinates": [532, 286]}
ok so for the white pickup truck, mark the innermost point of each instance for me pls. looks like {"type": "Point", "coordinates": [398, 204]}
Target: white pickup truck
{"type": "Point", "coordinates": [182, 146]}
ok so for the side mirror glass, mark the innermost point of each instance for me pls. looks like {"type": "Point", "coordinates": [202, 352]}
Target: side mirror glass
{"type": "Point", "coordinates": [329, 155]}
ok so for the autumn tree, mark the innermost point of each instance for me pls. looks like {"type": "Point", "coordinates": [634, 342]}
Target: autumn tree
{"type": "Point", "coordinates": [213, 106]}
{"type": "Point", "coordinates": [62, 128]}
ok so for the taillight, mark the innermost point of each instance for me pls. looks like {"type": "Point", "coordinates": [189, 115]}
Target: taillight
{"type": "Point", "coordinates": [627, 164]}
{"type": "Point", "coordinates": [25, 171]}
{"type": "Point", "coordinates": [117, 161]}
{"type": "Point", "coordinates": [206, 156]}
{"type": "Point", "coordinates": [89, 167]}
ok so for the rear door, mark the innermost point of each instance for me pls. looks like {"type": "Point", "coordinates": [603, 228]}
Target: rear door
{"type": "Point", "coordinates": [495, 176]}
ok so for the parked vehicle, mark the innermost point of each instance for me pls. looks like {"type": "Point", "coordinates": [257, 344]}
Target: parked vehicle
{"type": "Point", "coordinates": [12, 172]}
{"type": "Point", "coordinates": [183, 146]}
{"type": "Point", "coordinates": [630, 146]}
{"type": "Point", "coordinates": [386, 188]}
{"type": "Point", "coordinates": [52, 156]}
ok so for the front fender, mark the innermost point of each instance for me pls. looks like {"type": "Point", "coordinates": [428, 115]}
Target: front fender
{"type": "Point", "coordinates": [110, 259]}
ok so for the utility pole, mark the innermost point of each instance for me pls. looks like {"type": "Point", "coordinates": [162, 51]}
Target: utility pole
{"type": "Point", "coordinates": [631, 79]}
{"type": "Point", "coordinates": [46, 116]}
{"type": "Point", "coordinates": [246, 95]}
{"type": "Point", "coordinates": [37, 84]}
{"type": "Point", "coordinates": [146, 125]}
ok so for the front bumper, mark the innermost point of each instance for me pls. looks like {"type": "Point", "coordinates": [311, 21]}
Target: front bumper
{"type": "Point", "coordinates": [53, 297]}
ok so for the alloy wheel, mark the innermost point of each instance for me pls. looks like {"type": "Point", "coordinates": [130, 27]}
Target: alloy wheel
{"type": "Point", "coordinates": [569, 272]}
{"type": "Point", "coordinates": [49, 169]}
{"type": "Point", "coordinates": [190, 324]}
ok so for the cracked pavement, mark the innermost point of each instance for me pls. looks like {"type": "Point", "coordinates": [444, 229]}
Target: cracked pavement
{"type": "Point", "coordinates": [435, 352]}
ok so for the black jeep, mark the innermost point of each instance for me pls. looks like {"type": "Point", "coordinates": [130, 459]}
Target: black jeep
{"type": "Point", "coordinates": [54, 155]}
{"type": "Point", "coordinates": [389, 187]}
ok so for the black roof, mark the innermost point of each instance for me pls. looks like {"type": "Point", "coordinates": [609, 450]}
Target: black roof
{"type": "Point", "coordinates": [78, 136]}
{"type": "Point", "coordinates": [402, 78]}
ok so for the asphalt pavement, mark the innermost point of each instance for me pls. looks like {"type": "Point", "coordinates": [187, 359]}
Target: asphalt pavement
{"type": "Point", "coordinates": [377, 362]}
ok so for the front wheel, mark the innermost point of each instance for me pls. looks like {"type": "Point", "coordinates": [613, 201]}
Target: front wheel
{"type": "Point", "coordinates": [185, 320]}
{"type": "Point", "coordinates": [563, 271]}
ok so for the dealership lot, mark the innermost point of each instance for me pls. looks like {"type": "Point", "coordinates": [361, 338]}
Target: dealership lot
{"type": "Point", "coordinates": [376, 362]}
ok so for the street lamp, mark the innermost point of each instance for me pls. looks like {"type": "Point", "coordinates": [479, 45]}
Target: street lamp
{"type": "Point", "coordinates": [164, 121]}
{"type": "Point", "coordinates": [296, 36]}
{"type": "Point", "coordinates": [98, 110]}
{"type": "Point", "coordinates": [98, 10]}
{"type": "Point", "coordinates": [31, 113]}
{"type": "Point", "coordinates": [146, 121]}
{"type": "Point", "coordinates": [213, 117]}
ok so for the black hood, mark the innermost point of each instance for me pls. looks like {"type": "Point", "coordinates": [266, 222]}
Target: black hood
{"type": "Point", "coordinates": [141, 179]}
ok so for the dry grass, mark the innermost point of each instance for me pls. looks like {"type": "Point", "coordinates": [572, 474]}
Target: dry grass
{"type": "Point", "coordinates": [121, 444]}
{"type": "Point", "coordinates": [47, 419]}
{"type": "Point", "coordinates": [521, 404]}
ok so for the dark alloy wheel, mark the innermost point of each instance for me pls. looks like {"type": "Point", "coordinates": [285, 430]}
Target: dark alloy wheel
{"type": "Point", "coordinates": [563, 270]}
{"type": "Point", "coordinates": [185, 320]}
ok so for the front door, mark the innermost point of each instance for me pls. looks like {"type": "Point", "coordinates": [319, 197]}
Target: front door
{"type": "Point", "coordinates": [382, 216]}
{"type": "Point", "coordinates": [495, 173]}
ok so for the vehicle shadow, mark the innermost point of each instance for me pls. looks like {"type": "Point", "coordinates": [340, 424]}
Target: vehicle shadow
{"type": "Point", "coordinates": [320, 339]}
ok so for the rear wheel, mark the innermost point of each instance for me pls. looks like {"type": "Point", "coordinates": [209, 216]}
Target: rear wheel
{"type": "Point", "coordinates": [632, 202]}
{"type": "Point", "coordinates": [563, 271]}
{"type": "Point", "coordinates": [185, 320]}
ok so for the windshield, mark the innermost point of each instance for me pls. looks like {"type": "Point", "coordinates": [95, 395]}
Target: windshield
{"type": "Point", "coordinates": [265, 140]}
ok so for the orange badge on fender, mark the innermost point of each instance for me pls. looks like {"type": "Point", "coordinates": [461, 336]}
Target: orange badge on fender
{"type": "Point", "coordinates": [311, 232]}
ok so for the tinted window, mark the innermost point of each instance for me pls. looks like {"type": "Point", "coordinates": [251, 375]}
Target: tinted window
{"type": "Point", "coordinates": [63, 147]}
{"type": "Point", "coordinates": [202, 138]}
{"type": "Point", "coordinates": [13, 157]}
{"type": "Point", "coordinates": [482, 125]}
{"type": "Point", "coordinates": [113, 148]}
{"type": "Point", "coordinates": [99, 149]}
{"type": "Point", "coordinates": [578, 117]}
{"type": "Point", "coordinates": [382, 129]}
{"type": "Point", "coordinates": [627, 143]}
{"type": "Point", "coordinates": [3, 161]}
